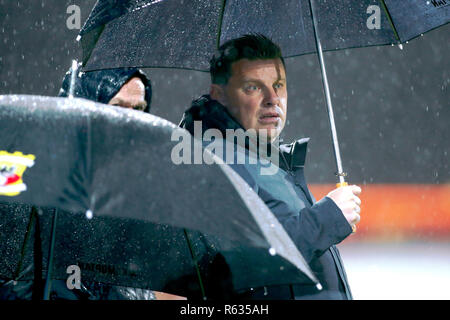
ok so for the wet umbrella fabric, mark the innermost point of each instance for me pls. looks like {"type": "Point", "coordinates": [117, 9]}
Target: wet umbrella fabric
{"type": "Point", "coordinates": [179, 34]}
{"type": "Point", "coordinates": [89, 158]}
{"type": "Point", "coordinates": [185, 34]}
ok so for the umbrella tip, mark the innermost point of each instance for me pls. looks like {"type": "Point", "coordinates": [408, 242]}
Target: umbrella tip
{"type": "Point", "coordinates": [319, 286]}
{"type": "Point", "coordinates": [272, 251]}
{"type": "Point", "coordinates": [89, 214]}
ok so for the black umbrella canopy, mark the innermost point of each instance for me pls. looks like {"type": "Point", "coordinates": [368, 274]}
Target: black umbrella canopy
{"type": "Point", "coordinates": [185, 34]}
{"type": "Point", "coordinates": [179, 34]}
{"type": "Point", "coordinates": [115, 165]}
{"type": "Point", "coordinates": [132, 253]}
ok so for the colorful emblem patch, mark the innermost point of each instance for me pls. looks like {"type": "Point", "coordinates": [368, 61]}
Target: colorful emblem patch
{"type": "Point", "coordinates": [12, 168]}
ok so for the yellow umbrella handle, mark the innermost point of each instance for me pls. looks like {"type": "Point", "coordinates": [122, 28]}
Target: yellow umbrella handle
{"type": "Point", "coordinates": [344, 184]}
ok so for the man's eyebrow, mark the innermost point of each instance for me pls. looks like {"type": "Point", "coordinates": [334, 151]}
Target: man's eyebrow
{"type": "Point", "coordinates": [245, 80]}
{"type": "Point", "coordinates": [250, 80]}
{"type": "Point", "coordinates": [118, 101]}
{"type": "Point", "coordinates": [121, 102]}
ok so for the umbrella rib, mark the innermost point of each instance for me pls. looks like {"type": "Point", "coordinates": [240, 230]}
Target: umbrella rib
{"type": "Point", "coordinates": [390, 20]}
{"type": "Point", "coordinates": [50, 257]}
{"type": "Point", "coordinates": [194, 258]}
{"type": "Point", "coordinates": [24, 245]}
{"type": "Point", "coordinates": [37, 292]}
{"type": "Point", "coordinates": [97, 32]}
{"type": "Point", "coordinates": [219, 32]}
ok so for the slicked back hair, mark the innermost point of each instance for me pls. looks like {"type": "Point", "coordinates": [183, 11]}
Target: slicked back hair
{"type": "Point", "coordinates": [250, 46]}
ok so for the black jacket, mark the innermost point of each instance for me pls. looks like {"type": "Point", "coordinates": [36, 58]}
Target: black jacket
{"type": "Point", "coordinates": [315, 227]}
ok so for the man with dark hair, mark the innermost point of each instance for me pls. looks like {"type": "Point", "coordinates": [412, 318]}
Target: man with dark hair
{"type": "Point", "coordinates": [248, 92]}
{"type": "Point", "coordinates": [250, 47]}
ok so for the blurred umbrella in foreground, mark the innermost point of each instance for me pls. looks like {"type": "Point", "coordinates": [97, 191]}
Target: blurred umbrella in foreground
{"type": "Point", "coordinates": [185, 34]}
{"type": "Point", "coordinates": [126, 213]}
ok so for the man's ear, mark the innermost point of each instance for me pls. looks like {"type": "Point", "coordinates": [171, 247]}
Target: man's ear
{"type": "Point", "coordinates": [217, 93]}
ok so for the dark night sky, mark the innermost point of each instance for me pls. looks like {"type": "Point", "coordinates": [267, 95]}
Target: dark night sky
{"type": "Point", "coordinates": [392, 106]}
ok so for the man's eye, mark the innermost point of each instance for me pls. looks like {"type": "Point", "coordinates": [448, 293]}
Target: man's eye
{"type": "Point", "coordinates": [279, 85]}
{"type": "Point", "coordinates": [252, 88]}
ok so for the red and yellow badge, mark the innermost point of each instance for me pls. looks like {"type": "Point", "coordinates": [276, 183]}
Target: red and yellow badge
{"type": "Point", "coordinates": [12, 168]}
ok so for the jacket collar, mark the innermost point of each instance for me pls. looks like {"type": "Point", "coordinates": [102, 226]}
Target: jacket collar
{"type": "Point", "coordinates": [295, 153]}
{"type": "Point", "coordinates": [212, 114]}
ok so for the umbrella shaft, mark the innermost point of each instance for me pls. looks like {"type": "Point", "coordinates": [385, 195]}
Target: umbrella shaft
{"type": "Point", "coordinates": [326, 88]}
{"type": "Point", "coordinates": [48, 280]}
{"type": "Point", "coordinates": [73, 78]}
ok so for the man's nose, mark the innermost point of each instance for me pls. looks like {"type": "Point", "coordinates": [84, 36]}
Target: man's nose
{"type": "Point", "coordinates": [271, 98]}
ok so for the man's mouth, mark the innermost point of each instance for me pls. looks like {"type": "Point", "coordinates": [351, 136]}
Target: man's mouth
{"type": "Point", "coordinates": [269, 118]}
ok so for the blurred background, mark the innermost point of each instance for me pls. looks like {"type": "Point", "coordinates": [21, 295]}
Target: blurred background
{"type": "Point", "coordinates": [392, 115]}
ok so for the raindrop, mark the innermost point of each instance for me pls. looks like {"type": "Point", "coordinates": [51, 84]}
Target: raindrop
{"type": "Point", "coordinates": [272, 251]}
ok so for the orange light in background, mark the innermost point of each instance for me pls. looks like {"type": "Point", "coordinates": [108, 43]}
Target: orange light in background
{"type": "Point", "coordinates": [400, 210]}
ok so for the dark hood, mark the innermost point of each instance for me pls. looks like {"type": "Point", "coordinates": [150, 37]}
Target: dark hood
{"type": "Point", "coordinates": [101, 86]}
{"type": "Point", "coordinates": [212, 114]}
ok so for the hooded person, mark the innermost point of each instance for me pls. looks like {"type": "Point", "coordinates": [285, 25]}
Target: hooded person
{"type": "Point", "coordinates": [128, 88]}
{"type": "Point", "coordinates": [248, 92]}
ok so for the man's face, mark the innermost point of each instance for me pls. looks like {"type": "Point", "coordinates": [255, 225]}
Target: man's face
{"type": "Point", "coordinates": [131, 95]}
{"type": "Point", "coordinates": [256, 95]}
